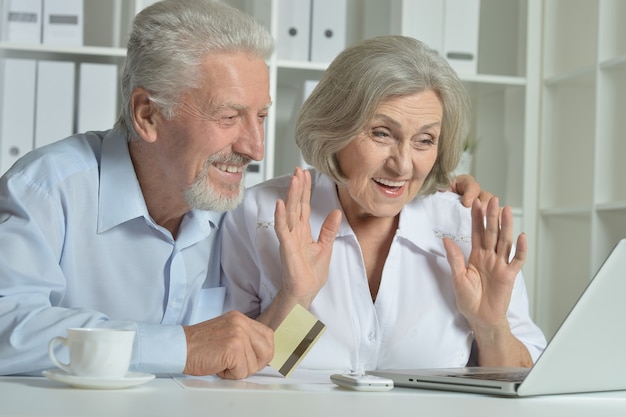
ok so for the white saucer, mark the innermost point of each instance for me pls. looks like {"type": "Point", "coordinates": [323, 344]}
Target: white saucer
{"type": "Point", "coordinates": [131, 379]}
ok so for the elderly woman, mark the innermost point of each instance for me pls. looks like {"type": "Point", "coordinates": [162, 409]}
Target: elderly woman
{"type": "Point", "coordinates": [402, 274]}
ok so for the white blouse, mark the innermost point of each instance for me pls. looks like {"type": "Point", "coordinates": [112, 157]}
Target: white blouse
{"type": "Point", "coordinates": [414, 322]}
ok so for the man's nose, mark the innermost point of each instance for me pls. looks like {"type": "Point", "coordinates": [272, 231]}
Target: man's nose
{"type": "Point", "coordinates": [251, 141]}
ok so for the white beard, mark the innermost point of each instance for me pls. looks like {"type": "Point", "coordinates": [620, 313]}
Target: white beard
{"type": "Point", "coordinates": [202, 195]}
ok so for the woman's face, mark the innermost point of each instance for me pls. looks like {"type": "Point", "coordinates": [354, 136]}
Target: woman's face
{"type": "Point", "coordinates": [387, 163]}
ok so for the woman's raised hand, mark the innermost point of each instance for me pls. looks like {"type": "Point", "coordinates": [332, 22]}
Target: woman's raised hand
{"type": "Point", "coordinates": [305, 261]}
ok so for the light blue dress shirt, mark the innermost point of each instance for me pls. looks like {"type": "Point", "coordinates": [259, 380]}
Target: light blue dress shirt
{"type": "Point", "coordinates": [79, 249]}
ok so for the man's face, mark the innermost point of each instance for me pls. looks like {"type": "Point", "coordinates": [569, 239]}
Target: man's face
{"type": "Point", "coordinates": [218, 130]}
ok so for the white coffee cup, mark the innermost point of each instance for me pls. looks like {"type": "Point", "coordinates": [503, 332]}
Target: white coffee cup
{"type": "Point", "coordinates": [96, 353]}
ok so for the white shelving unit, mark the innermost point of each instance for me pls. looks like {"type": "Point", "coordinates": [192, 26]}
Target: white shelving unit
{"type": "Point", "coordinates": [582, 202]}
{"type": "Point", "coordinates": [505, 91]}
{"type": "Point", "coordinates": [106, 25]}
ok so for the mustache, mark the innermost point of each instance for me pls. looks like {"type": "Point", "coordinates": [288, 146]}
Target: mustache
{"type": "Point", "coordinates": [228, 158]}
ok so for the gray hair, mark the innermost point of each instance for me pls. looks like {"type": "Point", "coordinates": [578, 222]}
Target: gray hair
{"type": "Point", "coordinates": [359, 80]}
{"type": "Point", "coordinates": [168, 42]}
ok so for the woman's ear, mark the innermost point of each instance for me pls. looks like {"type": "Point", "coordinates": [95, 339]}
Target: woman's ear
{"type": "Point", "coordinates": [146, 116]}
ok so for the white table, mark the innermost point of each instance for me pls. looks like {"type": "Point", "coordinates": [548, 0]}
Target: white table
{"type": "Point", "coordinates": [254, 397]}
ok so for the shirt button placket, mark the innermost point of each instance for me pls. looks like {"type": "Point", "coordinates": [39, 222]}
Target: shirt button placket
{"type": "Point", "coordinates": [177, 273]}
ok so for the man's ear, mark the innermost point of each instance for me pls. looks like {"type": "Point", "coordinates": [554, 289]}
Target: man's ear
{"type": "Point", "coordinates": [146, 117]}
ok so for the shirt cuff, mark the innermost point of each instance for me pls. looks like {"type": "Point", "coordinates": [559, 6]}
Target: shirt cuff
{"type": "Point", "coordinates": [159, 349]}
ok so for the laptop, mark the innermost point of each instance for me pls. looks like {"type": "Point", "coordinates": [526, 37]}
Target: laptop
{"type": "Point", "coordinates": [586, 354]}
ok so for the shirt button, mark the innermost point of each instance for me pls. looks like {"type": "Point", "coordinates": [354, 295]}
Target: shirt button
{"type": "Point", "coordinates": [372, 336]}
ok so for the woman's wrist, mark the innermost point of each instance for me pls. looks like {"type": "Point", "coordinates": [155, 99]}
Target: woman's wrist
{"type": "Point", "coordinates": [497, 346]}
{"type": "Point", "coordinates": [289, 301]}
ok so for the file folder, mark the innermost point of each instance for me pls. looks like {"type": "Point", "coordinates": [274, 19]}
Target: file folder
{"type": "Point", "coordinates": [422, 20]}
{"type": "Point", "coordinates": [328, 29]}
{"type": "Point", "coordinates": [462, 21]}
{"type": "Point", "coordinates": [288, 155]}
{"type": "Point", "coordinates": [294, 30]}
{"type": "Point", "coordinates": [17, 109]}
{"type": "Point", "coordinates": [63, 22]}
{"type": "Point", "coordinates": [97, 96]}
{"type": "Point", "coordinates": [54, 109]}
{"type": "Point", "coordinates": [22, 21]}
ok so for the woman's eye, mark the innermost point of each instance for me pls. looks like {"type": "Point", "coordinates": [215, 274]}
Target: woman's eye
{"type": "Point", "coordinates": [424, 142]}
{"type": "Point", "coordinates": [380, 134]}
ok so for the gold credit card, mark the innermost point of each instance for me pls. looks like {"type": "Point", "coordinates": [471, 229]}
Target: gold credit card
{"type": "Point", "coordinates": [294, 338]}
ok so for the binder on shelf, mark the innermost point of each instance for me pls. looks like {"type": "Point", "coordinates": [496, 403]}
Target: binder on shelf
{"type": "Point", "coordinates": [97, 96]}
{"type": "Point", "coordinates": [328, 29]}
{"type": "Point", "coordinates": [63, 22]}
{"type": "Point", "coordinates": [17, 109]}
{"type": "Point", "coordinates": [462, 20]}
{"type": "Point", "coordinates": [423, 20]}
{"type": "Point", "coordinates": [54, 108]}
{"type": "Point", "coordinates": [288, 155]}
{"type": "Point", "coordinates": [21, 21]}
{"type": "Point", "coordinates": [294, 30]}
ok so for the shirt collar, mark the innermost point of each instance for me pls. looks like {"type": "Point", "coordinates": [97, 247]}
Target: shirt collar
{"type": "Point", "coordinates": [121, 199]}
{"type": "Point", "coordinates": [415, 225]}
{"type": "Point", "coordinates": [324, 199]}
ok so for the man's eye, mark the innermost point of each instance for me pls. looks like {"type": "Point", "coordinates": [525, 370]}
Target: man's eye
{"type": "Point", "coordinates": [227, 121]}
{"type": "Point", "coordinates": [230, 118]}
